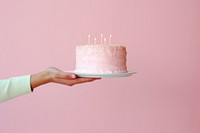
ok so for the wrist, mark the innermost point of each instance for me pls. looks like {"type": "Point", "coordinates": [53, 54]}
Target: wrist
{"type": "Point", "coordinates": [46, 76]}
{"type": "Point", "coordinates": [39, 79]}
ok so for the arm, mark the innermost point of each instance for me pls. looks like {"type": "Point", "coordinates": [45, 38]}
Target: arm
{"type": "Point", "coordinates": [17, 86]}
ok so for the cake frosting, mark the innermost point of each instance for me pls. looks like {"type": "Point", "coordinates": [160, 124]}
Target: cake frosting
{"type": "Point", "coordinates": [101, 59]}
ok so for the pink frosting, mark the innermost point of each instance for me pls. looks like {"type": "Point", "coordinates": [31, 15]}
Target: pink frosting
{"type": "Point", "coordinates": [100, 59]}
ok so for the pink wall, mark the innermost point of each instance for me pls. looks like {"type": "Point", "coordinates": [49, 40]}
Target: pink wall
{"type": "Point", "coordinates": [163, 42]}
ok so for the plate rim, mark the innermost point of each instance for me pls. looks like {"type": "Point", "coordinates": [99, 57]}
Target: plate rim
{"type": "Point", "coordinates": [113, 75]}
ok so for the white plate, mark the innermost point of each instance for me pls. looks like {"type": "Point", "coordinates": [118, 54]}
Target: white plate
{"type": "Point", "coordinates": [114, 75]}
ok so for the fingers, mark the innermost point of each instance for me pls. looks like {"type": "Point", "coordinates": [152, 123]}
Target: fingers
{"type": "Point", "coordinates": [56, 73]}
{"type": "Point", "coordinates": [65, 75]}
{"type": "Point", "coordinates": [82, 80]}
{"type": "Point", "coordinates": [69, 76]}
{"type": "Point", "coordinates": [75, 81]}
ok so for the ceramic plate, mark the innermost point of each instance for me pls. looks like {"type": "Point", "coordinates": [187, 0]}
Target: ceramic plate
{"type": "Point", "coordinates": [115, 75]}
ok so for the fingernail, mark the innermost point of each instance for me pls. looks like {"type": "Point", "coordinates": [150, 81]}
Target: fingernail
{"type": "Point", "coordinates": [73, 76]}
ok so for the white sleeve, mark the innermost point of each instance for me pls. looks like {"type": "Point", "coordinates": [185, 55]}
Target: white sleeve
{"type": "Point", "coordinates": [13, 87]}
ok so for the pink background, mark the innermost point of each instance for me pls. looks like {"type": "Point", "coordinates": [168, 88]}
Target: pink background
{"type": "Point", "coordinates": [163, 43]}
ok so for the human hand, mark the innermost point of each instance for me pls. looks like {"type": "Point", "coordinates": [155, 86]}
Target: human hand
{"type": "Point", "coordinates": [70, 79]}
{"type": "Point", "coordinates": [55, 75]}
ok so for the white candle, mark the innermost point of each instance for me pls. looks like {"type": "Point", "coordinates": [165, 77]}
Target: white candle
{"type": "Point", "coordinates": [95, 40]}
{"type": "Point", "coordinates": [104, 40]}
{"type": "Point", "coordinates": [101, 38]}
{"type": "Point", "coordinates": [110, 39]}
{"type": "Point", "coordinates": [88, 39]}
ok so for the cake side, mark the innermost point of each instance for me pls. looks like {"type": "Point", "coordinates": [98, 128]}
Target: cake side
{"type": "Point", "coordinates": [101, 59]}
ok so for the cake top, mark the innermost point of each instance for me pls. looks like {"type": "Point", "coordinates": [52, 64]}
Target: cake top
{"type": "Point", "coordinates": [98, 47]}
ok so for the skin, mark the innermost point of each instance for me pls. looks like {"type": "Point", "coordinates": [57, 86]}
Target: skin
{"type": "Point", "coordinates": [54, 75]}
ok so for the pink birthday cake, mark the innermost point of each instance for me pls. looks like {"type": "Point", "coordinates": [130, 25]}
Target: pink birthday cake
{"type": "Point", "coordinates": [101, 59]}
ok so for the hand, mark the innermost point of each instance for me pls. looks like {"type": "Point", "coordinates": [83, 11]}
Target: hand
{"type": "Point", "coordinates": [57, 76]}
